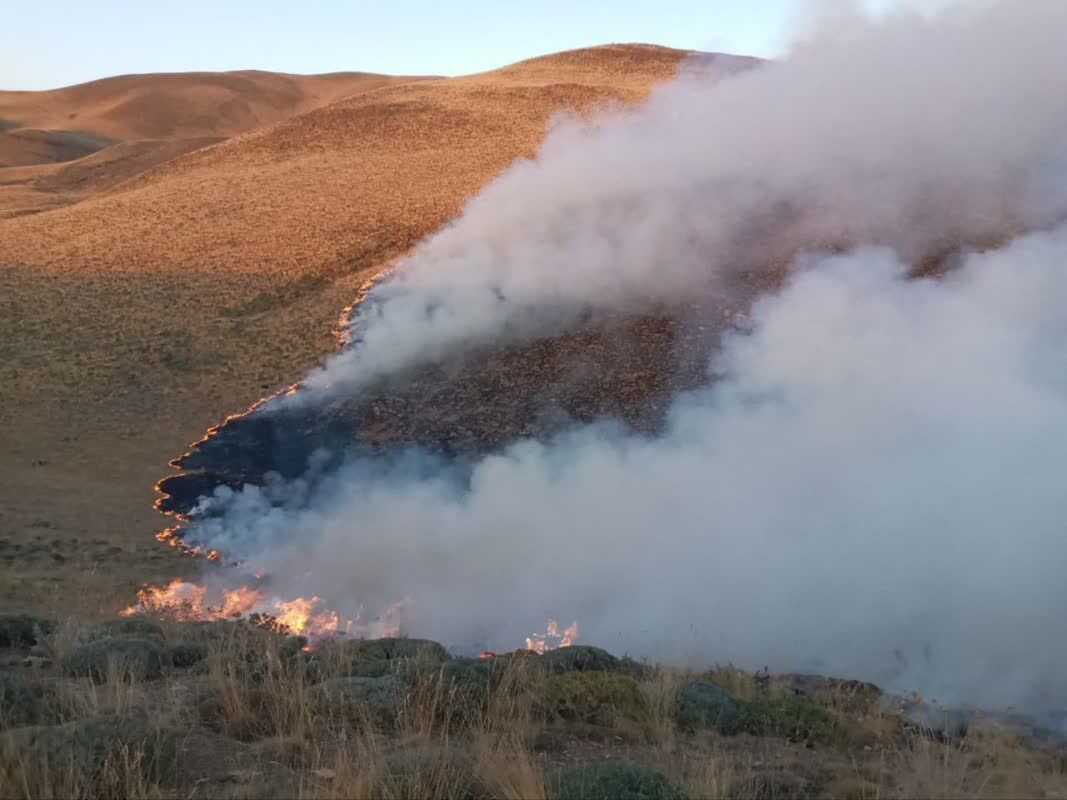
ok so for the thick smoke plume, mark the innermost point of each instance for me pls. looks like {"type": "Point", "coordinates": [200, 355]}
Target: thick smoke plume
{"type": "Point", "coordinates": [873, 484]}
{"type": "Point", "coordinates": [913, 132]}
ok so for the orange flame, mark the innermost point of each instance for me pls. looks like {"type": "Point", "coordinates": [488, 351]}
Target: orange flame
{"type": "Point", "coordinates": [188, 602]}
{"type": "Point", "coordinates": [552, 639]}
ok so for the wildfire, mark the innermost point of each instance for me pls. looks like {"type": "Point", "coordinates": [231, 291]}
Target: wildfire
{"type": "Point", "coordinates": [552, 639]}
{"type": "Point", "coordinates": [172, 538]}
{"type": "Point", "coordinates": [186, 601]}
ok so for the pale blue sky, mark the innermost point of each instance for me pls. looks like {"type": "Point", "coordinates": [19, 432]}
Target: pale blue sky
{"type": "Point", "coordinates": [49, 43]}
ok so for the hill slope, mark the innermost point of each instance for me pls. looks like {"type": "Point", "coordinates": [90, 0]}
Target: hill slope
{"type": "Point", "coordinates": [170, 295]}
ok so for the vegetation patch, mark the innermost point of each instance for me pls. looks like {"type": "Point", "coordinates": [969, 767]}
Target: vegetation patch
{"type": "Point", "coordinates": [795, 718]}
{"type": "Point", "coordinates": [261, 717]}
{"type": "Point", "coordinates": [702, 704]}
{"type": "Point", "coordinates": [579, 658]}
{"type": "Point", "coordinates": [186, 654]}
{"type": "Point", "coordinates": [437, 770]}
{"type": "Point", "coordinates": [104, 659]}
{"type": "Point", "coordinates": [133, 627]}
{"type": "Point", "coordinates": [612, 780]}
{"type": "Point", "coordinates": [360, 700]}
{"type": "Point", "coordinates": [106, 755]}
{"type": "Point", "coordinates": [279, 296]}
{"type": "Point", "coordinates": [21, 702]}
{"type": "Point", "coordinates": [22, 630]}
{"type": "Point", "coordinates": [595, 698]}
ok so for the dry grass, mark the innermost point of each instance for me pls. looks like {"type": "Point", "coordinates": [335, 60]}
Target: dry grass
{"type": "Point", "coordinates": [120, 776]}
{"type": "Point", "coordinates": [267, 736]}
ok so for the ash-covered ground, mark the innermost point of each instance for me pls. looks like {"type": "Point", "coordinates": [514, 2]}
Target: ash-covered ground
{"type": "Point", "coordinates": [626, 370]}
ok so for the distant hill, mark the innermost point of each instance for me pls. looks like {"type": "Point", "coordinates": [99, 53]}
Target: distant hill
{"type": "Point", "coordinates": [64, 124]}
{"type": "Point", "coordinates": [341, 183]}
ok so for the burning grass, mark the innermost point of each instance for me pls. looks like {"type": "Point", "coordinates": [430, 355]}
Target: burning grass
{"type": "Point", "coordinates": [247, 714]}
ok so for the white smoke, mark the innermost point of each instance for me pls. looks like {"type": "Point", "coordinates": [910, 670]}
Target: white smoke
{"type": "Point", "coordinates": [880, 468]}
{"type": "Point", "coordinates": [879, 464]}
{"type": "Point", "coordinates": [912, 131]}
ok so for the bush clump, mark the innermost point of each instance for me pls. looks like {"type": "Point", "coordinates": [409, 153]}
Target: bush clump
{"type": "Point", "coordinates": [21, 703]}
{"type": "Point", "coordinates": [703, 704]}
{"type": "Point", "coordinates": [377, 658]}
{"type": "Point", "coordinates": [133, 627]}
{"type": "Point", "coordinates": [22, 630]}
{"type": "Point", "coordinates": [358, 699]}
{"type": "Point", "coordinates": [135, 658]}
{"type": "Point", "coordinates": [430, 771]}
{"type": "Point", "coordinates": [365, 650]}
{"type": "Point", "coordinates": [596, 698]}
{"type": "Point", "coordinates": [186, 654]}
{"type": "Point", "coordinates": [246, 714]}
{"type": "Point", "coordinates": [97, 749]}
{"type": "Point", "coordinates": [611, 780]}
{"type": "Point", "coordinates": [795, 718]}
{"type": "Point", "coordinates": [579, 658]}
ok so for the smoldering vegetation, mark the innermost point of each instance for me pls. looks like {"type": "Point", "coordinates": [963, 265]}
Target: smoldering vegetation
{"type": "Point", "coordinates": [545, 410]}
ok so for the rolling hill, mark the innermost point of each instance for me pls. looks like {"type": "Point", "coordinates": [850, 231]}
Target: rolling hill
{"type": "Point", "coordinates": [63, 124]}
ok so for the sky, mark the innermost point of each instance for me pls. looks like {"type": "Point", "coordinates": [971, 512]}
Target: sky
{"type": "Point", "coordinates": [63, 42]}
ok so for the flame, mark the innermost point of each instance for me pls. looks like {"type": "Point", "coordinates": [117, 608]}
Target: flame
{"type": "Point", "coordinates": [552, 639]}
{"type": "Point", "coordinates": [172, 538]}
{"type": "Point", "coordinates": [189, 602]}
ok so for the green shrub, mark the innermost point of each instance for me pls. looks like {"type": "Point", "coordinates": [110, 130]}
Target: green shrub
{"type": "Point", "coordinates": [136, 658]}
{"type": "Point", "coordinates": [134, 627]}
{"type": "Point", "coordinates": [579, 658]}
{"type": "Point", "coordinates": [702, 704]}
{"type": "Point", "coordinates": [89, 745]}
{"type": "Point", "coordinates": [611, 780]}
{"type": "Point", "coordinates": [372, 658]}
{"type": "Point", "coordinates": [597, 698]}
{"type": "Point", "coordinates": [356, 699]}
{"type": "Point", "coordinates": [795, 718]}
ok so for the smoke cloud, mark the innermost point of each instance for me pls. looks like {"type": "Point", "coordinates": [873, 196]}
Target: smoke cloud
{"type": "Point", "coordinates": [872, 484]}
{"type": "Point", "coordinates": [910, 131]}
